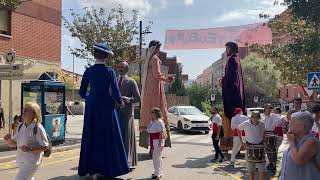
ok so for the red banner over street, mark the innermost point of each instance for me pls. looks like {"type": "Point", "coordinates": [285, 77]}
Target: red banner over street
{"type": "Point", "coordinates": [217, 37]}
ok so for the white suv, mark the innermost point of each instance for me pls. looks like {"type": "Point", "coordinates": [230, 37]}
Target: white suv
{"type": "Point", "coordinates": [188, 118]}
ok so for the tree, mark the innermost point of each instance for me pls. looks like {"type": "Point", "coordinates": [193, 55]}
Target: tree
{"type": "Point", "coordinates": [100, 26]}
{"type": "Point", "coordinates": [261, 77]}
{"type": "Point", "coordinates": [177, 87]}
{"type": "Point", "coordinates": [307, 10]}
{"type": "Point", "coordinates": [198, 94]}
{"type": "Point", "coordinates": [295, 49]}
{"type": "Point", "coordinates": [11, 4]}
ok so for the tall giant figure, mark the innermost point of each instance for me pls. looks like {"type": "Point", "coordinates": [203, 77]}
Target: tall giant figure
{"type": "Point", "coordinates": [130, 95]}
{"type": "Point", "coordinates": [153, 95]}
{"type": "Point", "coordinates": [232, 82]}
{"type": "Point", "coordinates": [102, 149]}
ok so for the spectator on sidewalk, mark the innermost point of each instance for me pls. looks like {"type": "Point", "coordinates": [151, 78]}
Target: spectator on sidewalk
{"type": "Point", "coordinates": [297, 103]}
{"type": "Point", "coordinates": [68, 112]}
{"type": "Point", "coordinates": [216, 128]}
{"type": "Point", "coordinates": [102, 150]}
{"type": "Point", "coordinates": [130, 95]}
{"type": "Point", "coordinates": [30, 145]}
{"type": "Point", "coordinates": [316, 127]}
{"type": "Point", "coordinates": [238, 119]}
{"type": "Point", "coordinates": [286, 125]}
{"type": "Point", "coordinates": [16, 122]}
{"type": "Point", "coordinates": [298, 160]}
{"type": "Point", "coordinates": [2, 120]}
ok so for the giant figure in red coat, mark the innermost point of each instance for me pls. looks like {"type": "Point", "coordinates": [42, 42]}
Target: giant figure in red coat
{"type": "Point", "coordinates": [232, 82]}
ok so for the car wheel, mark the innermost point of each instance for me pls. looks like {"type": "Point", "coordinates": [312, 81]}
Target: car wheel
{"type": "Point", "coordinates": [207, 132]}
{"type": "Point", "coordinates": [180, 128]}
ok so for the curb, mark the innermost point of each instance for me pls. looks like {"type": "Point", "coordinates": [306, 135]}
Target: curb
{"type": "Point", "coordinates": [54, 150]}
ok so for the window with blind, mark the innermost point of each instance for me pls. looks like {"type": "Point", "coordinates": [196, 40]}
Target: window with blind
{"type": "Point", "coordinates": [5, 22]}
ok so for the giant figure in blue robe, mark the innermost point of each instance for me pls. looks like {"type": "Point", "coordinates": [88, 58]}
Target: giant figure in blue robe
{"type": "Point", "coordinates": [102, 149]}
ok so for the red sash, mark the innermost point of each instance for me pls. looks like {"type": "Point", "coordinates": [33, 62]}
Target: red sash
{"type": "Point", "coordinates": [235, 132]}
{"type": "Point", "coordinates": [215, 128]}
{"type": "Point", "coordinates": [278, 131]}
{"type": "Point", "coordinates": [153, 136]}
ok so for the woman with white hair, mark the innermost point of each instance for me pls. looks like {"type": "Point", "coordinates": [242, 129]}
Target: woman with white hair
{"type": "Point", "coordinates": [299, 159]}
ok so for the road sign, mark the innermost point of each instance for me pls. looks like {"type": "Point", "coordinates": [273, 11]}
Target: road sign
{"type": "Point", "coordinates": [213, 97]}
{"type": "Point", "coordinates": [314, 80]}
{"type": "Point", "coordinates": [10, 57]}
{"type": "Point", "coordinates": [11, 68]}
{"type": "Point", "coordinates": [11, 76]}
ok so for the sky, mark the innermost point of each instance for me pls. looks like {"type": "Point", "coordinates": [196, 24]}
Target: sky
{"type": "Point", "coordinates": [175, 14]}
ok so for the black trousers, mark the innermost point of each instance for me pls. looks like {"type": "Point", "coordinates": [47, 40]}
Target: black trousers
{"type": "Point", "coordinates": [216, 147]}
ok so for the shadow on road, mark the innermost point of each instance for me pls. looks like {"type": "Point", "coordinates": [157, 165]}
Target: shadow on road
{"type": "Point", "coordinates": [191, 143]}
{"type": "Point", "coordinates": [76, 177]}
{"type": "Point", "coordinates": [195, 163]}
{"type": "Point", "coordinates": [144, 157]}
{"type": "Point", "coordinates": [174, 131]}
{"type": "Point", "coordinates": [223, 168]}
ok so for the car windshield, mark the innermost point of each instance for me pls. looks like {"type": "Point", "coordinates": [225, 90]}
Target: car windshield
{"type": "Point", "coordinates": [260, 110]}
{"type": "Point", "coordinates": [189, 111]}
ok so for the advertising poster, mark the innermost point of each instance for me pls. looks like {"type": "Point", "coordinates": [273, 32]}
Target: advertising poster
{"type": "Point", "coordinates": [54, 125]}
{"type": "Point", "coordinates": [32, 97]}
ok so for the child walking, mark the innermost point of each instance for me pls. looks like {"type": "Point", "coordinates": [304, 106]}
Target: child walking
{"type": "Point", "coordinates": [30, 145]}
{"type": "Point", "coordinates": [157, 134]}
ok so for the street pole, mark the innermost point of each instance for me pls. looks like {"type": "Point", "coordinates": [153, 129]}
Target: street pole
{"type": "Point", "coordinates": [10, 105]}
{"type": "Point", "coordinates": [73, 77]}
{"type": "Point", "coordinates": [140, 49]}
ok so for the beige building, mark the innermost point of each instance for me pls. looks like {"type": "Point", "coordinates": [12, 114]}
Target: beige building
{"type": "Point", "coordinates": [205, 78]}
{"type": "Point", "coordinates": [218, 70]}
{"type": "Point", "coordinates": [211, 75]}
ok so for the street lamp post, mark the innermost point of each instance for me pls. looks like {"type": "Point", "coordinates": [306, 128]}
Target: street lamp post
{"type": "Point", "coordinates": [140, 50]}
{"type": "Point", "coordinates": [72, 77]}
{"type": "Point", "coordinates": [140, 59]}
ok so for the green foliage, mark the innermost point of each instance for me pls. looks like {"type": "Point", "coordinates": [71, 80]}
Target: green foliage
{"type": "Point", "coordinates": [308, 10]}
{"type": "Point", "coordinates": [198, 94]}
{"type": "Point", "coordinates": [261, 77]}
{"type": "Point", "coordinates": [218, 95]}
{"type": "Point", "coordinates": [99, 26]}
{"type": "Point", "coordinates": [135, 76]}
{"type": "Point", "coordinates": [206, 107]}
{"type": "Point", "coordinates": [298, 51]}
{"type": "Point", "coordinates": [11, 4]}
{"type": "Point", "coordinates": [177, 87]}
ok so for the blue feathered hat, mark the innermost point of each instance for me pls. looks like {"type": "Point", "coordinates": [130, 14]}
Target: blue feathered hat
{"type": "Point", "coordinates": [103, 47]}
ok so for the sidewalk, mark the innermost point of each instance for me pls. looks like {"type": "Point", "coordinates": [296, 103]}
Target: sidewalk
{"type": "Point", "coordinates": [72, 140]}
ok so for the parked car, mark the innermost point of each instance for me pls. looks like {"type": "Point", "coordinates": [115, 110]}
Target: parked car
{"type": "Point", "coordinates": [188, 118]}
{"type": "Point", "coordinates": [249, 111]}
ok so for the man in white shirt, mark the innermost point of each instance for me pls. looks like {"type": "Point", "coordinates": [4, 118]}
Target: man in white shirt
{"type": "Point", "coordinates": [254, 131]}
{"type": "Point", "coordinates": [216, 128]}
{"type": "Point", "coordinates": [271, 121]}
{"type": "Point", "coordinates": [297, 103]}
{"type": "Point", "coordinates": [238, 119]}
